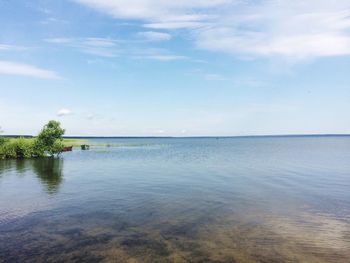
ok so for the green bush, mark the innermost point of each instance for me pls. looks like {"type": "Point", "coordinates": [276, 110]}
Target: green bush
{"type": "Point", "coordinates": [24, 147]}
{"type": "Point", "coordinates": [7, 151]}
{"type": "Point", "coordinates": [49, 141]}
{"type": "Point", "coordinates": [3, 140]}
{"type": "Point", "coordinates": [19, 148]}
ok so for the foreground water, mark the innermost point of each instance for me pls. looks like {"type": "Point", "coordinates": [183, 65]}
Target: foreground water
{"type": "Point", "coordinates": [266, 199]}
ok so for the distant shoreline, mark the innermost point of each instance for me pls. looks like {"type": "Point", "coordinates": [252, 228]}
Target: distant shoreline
{"type": "Point", "coordinates": [189, 137]}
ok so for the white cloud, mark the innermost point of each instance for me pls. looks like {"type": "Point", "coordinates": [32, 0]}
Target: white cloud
{"type": "Point", "coordinates": [154, 36]}
{"type": "Point", "coordinates": [14, 68]}
{"type": "Point", "coordinates": [294, 30]}
{"type": "Point", "coordinates": [64, 112]}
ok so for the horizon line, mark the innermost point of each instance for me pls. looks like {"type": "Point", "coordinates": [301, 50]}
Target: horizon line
{"type": "Point", "coordinates": [193, 136]}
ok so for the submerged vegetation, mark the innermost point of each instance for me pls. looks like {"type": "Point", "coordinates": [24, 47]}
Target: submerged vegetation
{"type": "Point", "coordinates": [49, 142]}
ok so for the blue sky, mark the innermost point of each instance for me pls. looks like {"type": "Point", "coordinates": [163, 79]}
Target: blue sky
{"type": "Point", "coordinates": [180, 68]}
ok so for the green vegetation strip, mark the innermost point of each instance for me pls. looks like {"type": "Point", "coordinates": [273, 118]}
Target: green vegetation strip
{"type": "Point", "coordinates": [74, 142]}
{"type": "Point", "coordinates": [49, 142]}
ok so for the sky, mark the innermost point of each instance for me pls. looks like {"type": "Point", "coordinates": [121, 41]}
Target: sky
{"type": "Point", "coordinates": [175, 68]}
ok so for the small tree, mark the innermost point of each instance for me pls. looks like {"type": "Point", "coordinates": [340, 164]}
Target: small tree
{"type": "Point", "coordinates": [50, 139]}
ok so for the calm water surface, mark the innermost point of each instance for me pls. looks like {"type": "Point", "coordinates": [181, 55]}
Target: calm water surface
{"type": "Point", "coordinates": [266, 199]}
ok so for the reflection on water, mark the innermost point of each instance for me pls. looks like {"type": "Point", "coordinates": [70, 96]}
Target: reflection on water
{"type": "Point", "coordinates": [49, 171]}
{"type": "Point", "coordinates": [186, 200]}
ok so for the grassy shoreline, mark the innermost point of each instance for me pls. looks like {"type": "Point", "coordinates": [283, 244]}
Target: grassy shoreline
{"type": "Point", "coordinates": [74, 142]}
{"type": "Point", "coordinates": [28, 147]}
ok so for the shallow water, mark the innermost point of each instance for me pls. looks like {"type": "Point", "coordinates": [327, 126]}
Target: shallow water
{"type": "Point", "coordinates": [262, 199]}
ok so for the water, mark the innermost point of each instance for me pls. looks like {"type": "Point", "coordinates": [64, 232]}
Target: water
{"type": "Point", "coordinates": [262, 199]}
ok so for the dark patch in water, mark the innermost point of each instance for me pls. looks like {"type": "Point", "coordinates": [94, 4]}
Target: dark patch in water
{"type": "Point", "coordinates": [141, 245]}
{"type": "Point", "coordinates": [185, 230]}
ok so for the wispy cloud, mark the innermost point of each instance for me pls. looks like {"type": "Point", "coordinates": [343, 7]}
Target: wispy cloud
{"type": "Point", "coordinates": [64, 112]}
{"type": "Point", "coordinates": [154, 36]}
{"type": "Point", "coordinates": [104, 47]}
{"type": "Point", "coordinates": [160, 14]}
{"type": "Point", "coordinates": [155, 54]}
{"type": "Point", "coordinates": [6, 47]}
{"type": "Point", "coordinates": [164, 57]}
{"type": "Point", "coordinates": [14, 68]}
{"type": "Point", "coordinates": [294, 30]}
{"type": "Point", "coordinates": [175, 25]}
{"type": "Point", "coordinates": [99, 42]}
